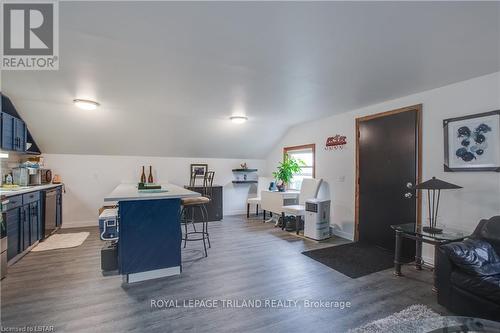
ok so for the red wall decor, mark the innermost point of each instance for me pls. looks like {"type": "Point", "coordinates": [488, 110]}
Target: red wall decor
{"type": "Point", "coordinates": [336, 142]}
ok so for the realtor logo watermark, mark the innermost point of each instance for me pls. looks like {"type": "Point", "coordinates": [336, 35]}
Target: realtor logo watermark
{"type": "Point", "coordinates": [30, 38]}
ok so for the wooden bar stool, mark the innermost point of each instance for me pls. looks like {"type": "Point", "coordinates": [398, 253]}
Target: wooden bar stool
{"type": "Point", "coordinates": [189, 206]}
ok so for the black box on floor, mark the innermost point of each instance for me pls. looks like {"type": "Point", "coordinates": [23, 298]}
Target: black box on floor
{"type": "Point", "coordinates": [109, 257]}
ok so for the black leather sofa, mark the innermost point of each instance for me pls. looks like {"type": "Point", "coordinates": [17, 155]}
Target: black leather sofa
{"type": "Point", "coordinates": [468, 273]}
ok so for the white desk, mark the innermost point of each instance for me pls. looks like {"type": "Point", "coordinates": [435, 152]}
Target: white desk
{"type": "Point", "coordinates": [272, 201]}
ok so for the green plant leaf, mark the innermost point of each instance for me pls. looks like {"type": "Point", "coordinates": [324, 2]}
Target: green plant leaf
{"type": "Point", "coordinates": [288, 168]}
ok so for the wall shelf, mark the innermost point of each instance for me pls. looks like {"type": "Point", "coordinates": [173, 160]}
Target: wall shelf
{"type": "Point", "coordinates": [244, 181]}
{"type": "Point", "coordinates": [245, 170]}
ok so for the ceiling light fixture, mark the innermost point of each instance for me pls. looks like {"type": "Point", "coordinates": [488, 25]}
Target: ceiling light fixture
{"type": "Point", "coordinates": [86, 104]}
{"type": "Point", "coordinates": [238, 119]}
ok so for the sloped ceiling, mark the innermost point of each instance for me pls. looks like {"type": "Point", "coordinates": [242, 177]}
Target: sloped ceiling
{"type": "Point", "coordinates": [168, 75]}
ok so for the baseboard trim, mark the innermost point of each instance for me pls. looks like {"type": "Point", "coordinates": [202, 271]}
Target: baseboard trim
{"type": "Point", "coordinates": [151, 275]}
{"type": "Point", "coordinates": [341, 233]}
{"type": "Point", "coordinates": [79, 224]}
{"type": "Point", "coordinates": [237, 212]}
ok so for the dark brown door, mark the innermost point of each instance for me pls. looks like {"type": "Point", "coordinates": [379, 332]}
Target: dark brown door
{"type": "Point", "coordinates": [387, 166]}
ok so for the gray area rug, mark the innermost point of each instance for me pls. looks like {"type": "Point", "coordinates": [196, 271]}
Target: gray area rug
{"type": "Point", "coordinates": [411, 319]}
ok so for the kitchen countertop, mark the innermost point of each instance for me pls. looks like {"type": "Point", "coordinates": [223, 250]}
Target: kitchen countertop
{"type": "Point", "coordinates": [27, 189]}
{"type": "Point", "coordinates": [127, 192]}
{"type": "Point", "coordinates": [201, 185]}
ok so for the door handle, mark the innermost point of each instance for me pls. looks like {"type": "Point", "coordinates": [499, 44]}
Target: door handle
{"type": "Point", "coordinates": [408, 195]}
{"type": "Point", "coordinates": [409, 185]}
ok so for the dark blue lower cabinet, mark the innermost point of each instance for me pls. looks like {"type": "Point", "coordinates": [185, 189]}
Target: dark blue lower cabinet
{"type": "Point", "coordinates": [150, 235]}
{"type": "Point", "coordinates": [34, 222]}
{"type": "Point", "coordinates": [25, 220]}
{"type": "Point", "coordinates": [24, 223]}
{"type": "Point", "coordinates": [13, 232]}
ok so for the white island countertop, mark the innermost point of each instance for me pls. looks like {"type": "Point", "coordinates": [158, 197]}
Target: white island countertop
{"type": "Point", "coordinates": [127, 192]}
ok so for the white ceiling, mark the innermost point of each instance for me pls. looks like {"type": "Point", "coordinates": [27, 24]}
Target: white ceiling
{"type": "Point", "coordinates": [168, 75]}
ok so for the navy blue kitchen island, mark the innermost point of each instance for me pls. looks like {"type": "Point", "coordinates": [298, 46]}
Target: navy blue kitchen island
{"type": "Point", "coordinates": [149, 245]}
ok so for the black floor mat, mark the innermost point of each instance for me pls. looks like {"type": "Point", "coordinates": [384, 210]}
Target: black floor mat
{"type": "Point", "coordinates": [354, 259]}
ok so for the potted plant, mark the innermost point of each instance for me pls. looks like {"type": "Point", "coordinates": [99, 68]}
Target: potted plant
{"type": "Point", "coordinates": [286, 170]}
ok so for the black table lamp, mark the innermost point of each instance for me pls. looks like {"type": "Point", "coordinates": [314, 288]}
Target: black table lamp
{"type": "Point", "coordinates": [434, 185]}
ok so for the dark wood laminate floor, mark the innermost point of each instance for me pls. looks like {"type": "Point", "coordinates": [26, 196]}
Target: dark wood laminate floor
{"type": "Point", "coordinates": [248, 260]}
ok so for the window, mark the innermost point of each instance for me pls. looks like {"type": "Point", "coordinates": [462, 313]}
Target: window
{"type": "Point", "coordinates": [306, 153]}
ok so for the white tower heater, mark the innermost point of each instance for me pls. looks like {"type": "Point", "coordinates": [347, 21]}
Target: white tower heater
{"type": "Point", "coordinates": [317, 219]}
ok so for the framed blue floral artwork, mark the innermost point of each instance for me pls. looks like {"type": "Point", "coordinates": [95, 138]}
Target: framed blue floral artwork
{"type": "Point", "coordinates": [472, 143]}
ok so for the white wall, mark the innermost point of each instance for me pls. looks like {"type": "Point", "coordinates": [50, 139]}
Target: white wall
{"type": "Point", "coordinates": [480, 197]}
{"type": "Point", "coordinates": [89, 178]}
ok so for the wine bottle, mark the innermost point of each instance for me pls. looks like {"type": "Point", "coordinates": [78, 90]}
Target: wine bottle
{"type": "Point", "coordinates": [143, 176]}
{"type": "Point", "coordinates": [150, 177]}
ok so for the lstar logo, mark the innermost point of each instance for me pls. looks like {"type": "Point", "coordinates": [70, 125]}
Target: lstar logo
{"type": "Point", "coordinates": [30, 35]}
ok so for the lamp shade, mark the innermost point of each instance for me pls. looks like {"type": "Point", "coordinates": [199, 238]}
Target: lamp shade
{"type": "Point", "coordinates": [436, 184]}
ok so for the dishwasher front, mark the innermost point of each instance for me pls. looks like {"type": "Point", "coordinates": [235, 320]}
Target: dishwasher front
{"type": "Point", "coordinates": [50, 211]}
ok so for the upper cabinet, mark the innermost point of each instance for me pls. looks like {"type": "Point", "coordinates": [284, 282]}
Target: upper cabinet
{"type": "Point", "coordinates": [20, 135]}
{"type": "Point", "coordinates": [8, 129]}
{"type": "Point", "coordinates": [15, 135]}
